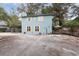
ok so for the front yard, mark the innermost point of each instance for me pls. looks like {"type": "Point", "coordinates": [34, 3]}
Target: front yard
{"type": "Point", "coordinates": [17, 44]}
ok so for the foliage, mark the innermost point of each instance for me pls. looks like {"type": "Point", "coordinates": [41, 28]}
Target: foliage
{"type": "Point", "coordinates": [31, 8]}
{"type": "Point", "coordinates": [3, 14]}
{"type": "Point", "coordinates": [72, 23]}
{"type": "Point", "coordinates": [13, 21]}
{"type": "Point", "coordinates": [2, 29]}
{"type": "Point", "coordinates": [75, 8]}
{"type": "Point", "coordinates": [60, 12]}
{"type": "Point", "coordinates": [47, 10]}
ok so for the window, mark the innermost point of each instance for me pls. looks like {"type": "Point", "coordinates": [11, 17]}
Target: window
{"type": "Point", "coordinates": [28, 28]}
{"type": "Point", "coordinates": [36, 28]}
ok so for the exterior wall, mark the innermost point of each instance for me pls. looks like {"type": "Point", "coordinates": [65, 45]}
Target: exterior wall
{"type": "Point", "coordinates": [44, 23]}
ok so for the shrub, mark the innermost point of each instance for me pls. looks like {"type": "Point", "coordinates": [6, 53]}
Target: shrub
{"type": "Point", "coordinates": [2, 29]}
{"type": "Point", "coordinates": [71, 23]}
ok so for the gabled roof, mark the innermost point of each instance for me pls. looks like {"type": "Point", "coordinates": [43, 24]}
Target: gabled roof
{"type": "Point", "coordinates": [37, 15]}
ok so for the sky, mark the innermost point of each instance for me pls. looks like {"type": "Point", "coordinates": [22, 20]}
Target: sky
{"type": "Point", "coordinates": [9, 6]}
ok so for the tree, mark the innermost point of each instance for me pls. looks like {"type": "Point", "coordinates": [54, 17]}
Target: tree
{"type": "Point", "coordinates": [3, 14]}
{"type": "Point", "coordinates": [59, 11]}
{"type": "Point", "coordinates": [72, 24]}
{"type": "Point", "coordinates": [47, 10]}
{"type": "Point", "coordinates": [13, 22]}
{"type": "Point", "coordinates": [31, 8]}
{"type": "Point", "coordinates": [75, 10]}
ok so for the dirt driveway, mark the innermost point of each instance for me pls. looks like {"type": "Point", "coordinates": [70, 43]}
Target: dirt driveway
{"type": "Point", "coordinates": [16, 44]}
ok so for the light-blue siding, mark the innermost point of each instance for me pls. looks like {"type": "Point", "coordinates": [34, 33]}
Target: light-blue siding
{"type": "Point", "coordinates": [45, 24]}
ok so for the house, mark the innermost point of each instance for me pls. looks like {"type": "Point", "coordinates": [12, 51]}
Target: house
{"type": "Point", "coordinates": [3, 26]}
{"type": "Point", "coordinates": [39, 24]}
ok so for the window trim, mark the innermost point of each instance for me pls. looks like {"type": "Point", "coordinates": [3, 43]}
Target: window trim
{"type": "Point", "coordinates": [38, 29]}
{"type": "Point", "coordinates": [28, 28]}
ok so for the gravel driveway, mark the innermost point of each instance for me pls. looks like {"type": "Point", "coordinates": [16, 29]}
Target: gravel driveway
{"type": "Point", "coordinates": [16, 44]}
